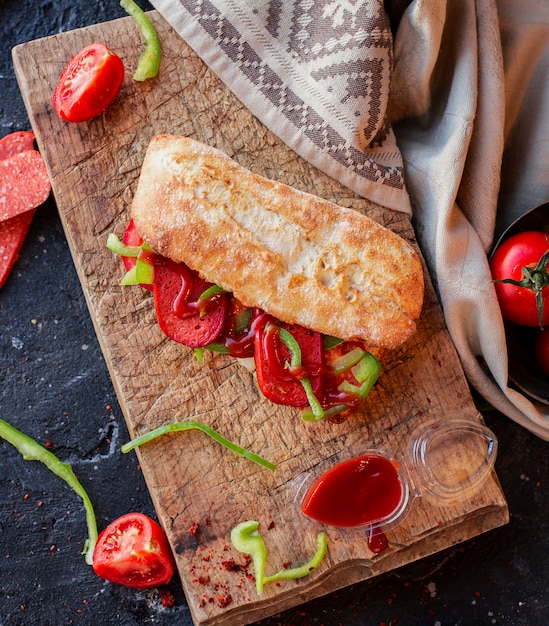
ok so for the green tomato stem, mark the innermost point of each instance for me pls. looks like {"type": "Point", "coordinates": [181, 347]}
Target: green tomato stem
{"type": "Point", "coordinates": [31, 450]}
{"type": "Point", "coordinates": [189, 425]}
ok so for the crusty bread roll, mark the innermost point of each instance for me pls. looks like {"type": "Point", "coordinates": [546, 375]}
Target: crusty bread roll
{"type": "Point", "coordinates": [303, 259]}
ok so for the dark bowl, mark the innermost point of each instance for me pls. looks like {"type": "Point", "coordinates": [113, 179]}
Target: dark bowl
{"type": "Point", "coordinates": [524, 371]}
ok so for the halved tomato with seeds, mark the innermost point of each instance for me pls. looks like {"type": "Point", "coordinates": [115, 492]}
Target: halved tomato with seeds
{"type": "Point", "coordinates": [134, 551]}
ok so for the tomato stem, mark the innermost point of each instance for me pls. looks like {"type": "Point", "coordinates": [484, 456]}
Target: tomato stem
{"type": "Point", "coordinates": [536, 280]}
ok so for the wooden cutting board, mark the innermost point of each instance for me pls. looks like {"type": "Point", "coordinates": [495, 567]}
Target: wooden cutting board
{"type": "Point", "coordinates": [200, 489]}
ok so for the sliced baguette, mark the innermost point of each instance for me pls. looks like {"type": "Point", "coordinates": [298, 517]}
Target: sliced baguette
{"type": "Point", "coordinates": [303, 259]}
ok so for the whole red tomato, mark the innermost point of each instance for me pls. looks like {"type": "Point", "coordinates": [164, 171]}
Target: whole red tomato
{"type": "Point", "coordinates": [519, 270]}
{"type": "Point", "coordinates": [89, 83]}
{"type": "Point", "coordinates": [541, 348]}
{"type": "Point", "coordinates": [133, 551]}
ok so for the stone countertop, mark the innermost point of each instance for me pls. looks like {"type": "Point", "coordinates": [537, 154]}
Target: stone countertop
{"type": "Point", "coordinates": [55, 387]}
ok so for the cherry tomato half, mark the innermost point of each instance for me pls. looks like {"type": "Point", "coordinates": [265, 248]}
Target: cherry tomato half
{"type": "Point", "coordinates": [89, 83]}
{"type": "Point", "coordinates": [541, 348]}
{"type": "Point", "coordinates": [518, 303]}
{"type": "Point", "coordinates": [133, 551]}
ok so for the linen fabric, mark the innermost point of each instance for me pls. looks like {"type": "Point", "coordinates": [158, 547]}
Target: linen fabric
{"type": "Point", "coordinates": [446, 118]}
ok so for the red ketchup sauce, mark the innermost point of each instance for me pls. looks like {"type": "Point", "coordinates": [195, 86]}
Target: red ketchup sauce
{"type": "Point", "coordinates": [359, 492]}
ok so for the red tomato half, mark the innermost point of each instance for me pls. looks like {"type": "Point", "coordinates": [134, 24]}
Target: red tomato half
{"type": "Point", "coordinates": [518, 303]}
{"type": "Point", "coordinates": [89, 83]}
{"type": "Point", "coordinates": [133, 551]}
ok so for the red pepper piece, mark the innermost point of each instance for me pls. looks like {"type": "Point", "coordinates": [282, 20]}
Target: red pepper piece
{"type": "Point", "coordinates": [12, 236]}
{"type": "Point", "coordinates": [19, 141]}
{"type": "Point", "coordinates": [273, 377]}
{"type": "Point", "coordinates": [186, 322]}
{"type": "Point", "coordinates": [24, 183]}
{"type": "Point", "coordinates": [132, 238]}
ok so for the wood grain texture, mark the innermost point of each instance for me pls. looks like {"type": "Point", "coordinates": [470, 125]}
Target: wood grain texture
{"type": "Point", "coordinates": [94, 168]}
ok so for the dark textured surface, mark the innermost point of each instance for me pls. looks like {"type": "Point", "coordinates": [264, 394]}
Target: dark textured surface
{"type": "Point", "coordinates": [56, 388]}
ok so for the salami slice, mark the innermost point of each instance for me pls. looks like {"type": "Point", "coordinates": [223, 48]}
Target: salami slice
{"type": "Point", "coordinates": [24, 183]}
{"type": "Point", "coordinates": [20, 141]}
{"type": "Point", "coordinates": [12, 236]}
{"type": "Point", "coordinates": [195, 330]}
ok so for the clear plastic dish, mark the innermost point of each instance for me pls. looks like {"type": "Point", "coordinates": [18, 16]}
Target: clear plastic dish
{"type": "Point", "coordinates": [446, 461]}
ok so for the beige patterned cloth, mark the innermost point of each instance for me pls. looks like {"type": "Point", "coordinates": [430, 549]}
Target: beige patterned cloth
{"type": "Point", "coordinates": [317, 74]}
{"type": "Point", "coordinates": [428, 122]}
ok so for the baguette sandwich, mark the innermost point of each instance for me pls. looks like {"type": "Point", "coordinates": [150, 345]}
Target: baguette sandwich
{"type": "Point", "coordinates": [312, 293]}
{"type": "Point", "coordinates": [302, 259]}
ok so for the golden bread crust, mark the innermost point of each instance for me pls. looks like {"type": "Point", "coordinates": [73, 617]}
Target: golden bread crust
{"type": "Point", "coordinates": [303, 259]}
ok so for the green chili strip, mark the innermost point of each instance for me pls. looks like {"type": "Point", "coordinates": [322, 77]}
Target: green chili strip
{"type": "Point", "coordinates": [307, 568]}
{"type": "Point", "coordinates": [217, 346]}
{"type": "Point", "coordinates": [295, 351]}
{"type": "Point", "coordinates": [115, 245]}
{"type": "Point", "coordinates": [31, 450]}
{"type": "Point", "coordinates": [347, 360]}
{"type": "Point", "coordinates": [367, 371]}
{"type": "Point", "coordinates": [142, 273]}
{"type": "Point", "coordinates": [330, 342]}
{"type": "Point", "coordinates": [246, 538]}
{"type": "Point", "coordinates": [212, 291]}
{"type": "Point", "coordinates": [243, 320]}
{"type": "Point", "coordinates": [308, 415]}
{"type": "Point", "coordinates": [179, 426]}
{"type": "Point", "coordinates": [149, 61]}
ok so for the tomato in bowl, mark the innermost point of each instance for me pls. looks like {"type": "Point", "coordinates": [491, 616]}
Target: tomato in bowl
{"type": "Point", "coordinates": [523, 244]}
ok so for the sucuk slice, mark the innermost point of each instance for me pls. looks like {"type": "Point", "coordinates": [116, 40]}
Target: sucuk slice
{"type": "Point", "coordinates": [285, 390]}
{"type": "Point", "coordinates": [18, 141]}
{"type": "Point", "coordinates": [12, 235]}
{"type": "Point", "coordinates": [24, 183]}
{"type": "Point", "coordinates": [195, 330]}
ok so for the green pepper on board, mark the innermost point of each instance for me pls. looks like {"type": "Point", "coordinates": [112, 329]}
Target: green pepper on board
{"type": "Point", "coordinates": [149, 61]}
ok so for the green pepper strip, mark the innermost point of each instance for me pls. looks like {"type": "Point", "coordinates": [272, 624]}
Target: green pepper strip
{"type": "Point", "coordinates": [347, 360]}
{"type": "Point", "coordinates": [142, 272]}
{"type": "Point", "coordinates": [31, 450]}
{"type": "Point", "coordinates": [366, 371]}
{"type": "Point", "coordinates": [246, 538]}
{"type": "Point", "coordinates": [179, 426]}
{"type": "Point", "coordinates": [149, 61]}
{"type": "Point", "coordinates": [295, 351]}
{"type": "Point", "coordinates": [307, 568]}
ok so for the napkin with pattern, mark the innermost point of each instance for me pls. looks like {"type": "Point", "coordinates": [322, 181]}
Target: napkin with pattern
{"type": "Point", "coordinates": [421, 106]}
{"type": "Point", "coordinates": [317, 74]}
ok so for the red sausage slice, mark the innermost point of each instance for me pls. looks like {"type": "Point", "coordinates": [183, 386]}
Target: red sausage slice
{"type": "Point", "coordinates": [12, 236]}
{"type": "Point", "coordinates": [19, 141]}
{"type": "Point", "coordinates": [24, 183]}
{"type": "Point", "coordinates": [194, 330]}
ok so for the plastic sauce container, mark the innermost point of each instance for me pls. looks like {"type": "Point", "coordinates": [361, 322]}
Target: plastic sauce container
{"type": "Point", "coordinates": [446, 461]}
